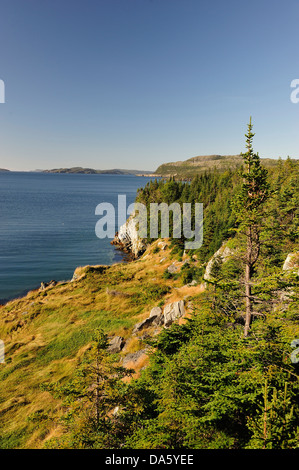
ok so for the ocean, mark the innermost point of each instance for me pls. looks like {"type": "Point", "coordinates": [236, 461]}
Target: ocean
{"type": "Point", "coordinates": [47, 225]}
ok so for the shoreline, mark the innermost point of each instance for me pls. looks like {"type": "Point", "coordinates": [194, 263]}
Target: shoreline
{"type": "Point", "coordinates": [127, 257]}
{"type": "Point", "coordinates": [120, 253]}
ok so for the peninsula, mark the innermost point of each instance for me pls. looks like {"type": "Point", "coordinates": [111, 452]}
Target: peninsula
{"type": "Point", "coordinates": [115, 171]}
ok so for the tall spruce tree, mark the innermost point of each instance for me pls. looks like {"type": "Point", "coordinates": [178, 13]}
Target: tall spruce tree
{"type": "Point", "coordinates": [247, 206]}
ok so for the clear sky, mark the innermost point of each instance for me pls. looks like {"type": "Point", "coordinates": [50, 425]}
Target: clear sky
{"type": "Point", "coordinates": [135, 83]}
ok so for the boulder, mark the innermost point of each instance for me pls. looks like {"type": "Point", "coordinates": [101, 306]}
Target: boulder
{"type": "Point", "coordinates": [116, 344]}
{"type": "Point", "coordinates": [157, 315]}
{"type": "Point", "coordinates": [44, 285]}
{"type": "Point", "coordinates": [133, 358]}
{"type": "Point", "coordinates": [155, 318]}
{"type": "Point", "coordinates": [173, 311]}
{"type": "Point", "coordinates": [162, 245]}
{"type": "Point", "coordinates": [172, 268]}
{"type": "Point", "coordinates": [116, 293]}
{"type": "Point", "coordinates": [143, 324]}
{"type": "Point", "coordinates": [291, 262]}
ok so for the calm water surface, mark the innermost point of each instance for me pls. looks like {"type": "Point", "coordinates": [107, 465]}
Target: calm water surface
{"type": "Point", "coordinates": [47, 225]}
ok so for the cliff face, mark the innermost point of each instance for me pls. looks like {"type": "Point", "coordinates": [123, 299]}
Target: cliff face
{"type": "Point", "coordinates": [128, 239]}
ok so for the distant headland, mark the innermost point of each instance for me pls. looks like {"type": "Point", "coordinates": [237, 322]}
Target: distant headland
{"type": "Point", "coordinates": [115, 171]}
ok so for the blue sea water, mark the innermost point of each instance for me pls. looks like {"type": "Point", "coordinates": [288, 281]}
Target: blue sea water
{"type": "Point", "coordinates": [47, 225]}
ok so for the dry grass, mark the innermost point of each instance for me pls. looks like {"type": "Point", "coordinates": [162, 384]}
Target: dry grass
{"type": "Point", "coordinates": [47, 332]}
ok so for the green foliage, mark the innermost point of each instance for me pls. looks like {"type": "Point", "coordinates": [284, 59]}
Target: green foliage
{"type": "Point", "coordinates": [12, 441]}
{"type": "Point", "coordinates": [191, 273]}
{"type": "Point", "coordinates": [206, 386]}
{"type": "Point", "coordinates": [255, 187]}
{"type": "Point", "coordinates": [151, 292]}
{"type": "Point", "coordinates": [94, 390]}
{"type": "Point", "coordinates": [209, 387]}
{"type": "Point", "coordinates": [274, 426]}
{"type": "Point", "coordinates": [214, 190]}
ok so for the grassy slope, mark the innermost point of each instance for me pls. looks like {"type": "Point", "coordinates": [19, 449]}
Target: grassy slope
{"type": "Point", "coordinates": [46, 333]}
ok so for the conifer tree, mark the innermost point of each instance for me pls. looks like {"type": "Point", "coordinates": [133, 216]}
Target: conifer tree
{"type": "Point", "coordinates": [89, 398]}
{"type": "Point", "coordinates": [247, 206]}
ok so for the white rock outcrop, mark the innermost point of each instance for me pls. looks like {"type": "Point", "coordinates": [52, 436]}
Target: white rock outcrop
{"type": "Point", "coordinates": [173, 312]}
{"type": "Point", "coordinates": [128, 238]}
{"type": "Point", "coordinates": [291, 262]}
{"type": "Point", "coordinates": [224, 253]}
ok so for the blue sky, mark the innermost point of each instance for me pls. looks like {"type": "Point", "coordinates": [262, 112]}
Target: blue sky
{"type": "Point", "coordinates": [135, 83]}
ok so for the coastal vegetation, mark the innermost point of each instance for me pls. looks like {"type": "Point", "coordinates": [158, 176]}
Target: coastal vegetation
{"type": "Point", "coordinates": [92, 363]}
{"type": "Point", "coordinates": [186, 169]}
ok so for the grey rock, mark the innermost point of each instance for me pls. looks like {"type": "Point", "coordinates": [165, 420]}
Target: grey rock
{"type": "Point", "coordinates": [143, 324]}
{"type": "Point", "coordinates": [155, 311]}
{"type": "Point", "coordinates": [116, 344]}
{"type": "Point", "coordinates": [162, 245]}
{"type": "Point", "coordinates": [157, 315]}
{"type": "Point", "coordinates": [117, 293]}
{"type": "Point", "coordinates": [173, 312]}
{"type": "Point", "coordinates": [44, 285]}
{"type": "Point", "coordinates": [128, 237]}
{"type": "Point", "coordinates": [155, 318]}
{"type": "Point", "coordinates": [291, 262]}
{"type": "Point", "coordinates": [133, 357]}
{"type": "Point", "coordinates": [172, 268]}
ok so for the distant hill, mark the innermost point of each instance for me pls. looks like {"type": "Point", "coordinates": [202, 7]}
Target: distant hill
{"type": "Point", "coordinates": [81, 170]}
{"type": "Point", "coordinates": [197, 165]}
{"type": "Point", "coordinates": [2, 170]}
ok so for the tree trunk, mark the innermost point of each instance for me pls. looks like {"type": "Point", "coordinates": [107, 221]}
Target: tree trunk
{"type": "Point", "coordinates": [248, 299]}
{"type": "Point", "coordinates": [248, 271]}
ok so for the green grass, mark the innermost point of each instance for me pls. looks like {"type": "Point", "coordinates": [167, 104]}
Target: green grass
{"type": "Point", "coordinates": [47, 332]}
{"type": "Point", "coordinates": [12, 440]}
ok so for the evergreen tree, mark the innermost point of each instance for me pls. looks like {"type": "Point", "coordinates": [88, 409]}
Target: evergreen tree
{"type": "Point", "coordinates": [248, 210]}
{"type": "Point", "coordinates": [89, 398]}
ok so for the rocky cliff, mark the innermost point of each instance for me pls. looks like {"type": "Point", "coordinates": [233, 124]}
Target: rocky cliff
{"type": "Point", "coordinates": [128, 239]}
